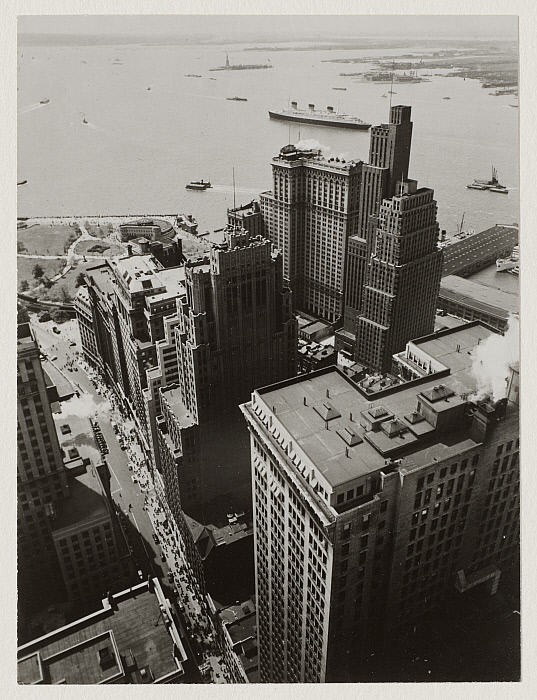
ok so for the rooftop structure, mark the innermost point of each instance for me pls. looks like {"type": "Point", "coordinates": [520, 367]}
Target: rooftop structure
{"type": "Point", "coordinates": [133, 639]}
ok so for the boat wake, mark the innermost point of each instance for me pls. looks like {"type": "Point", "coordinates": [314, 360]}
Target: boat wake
{"type": "Point", "coordinates": [238, 190]}
{"type": "Point", "coordinates": [25, 110]}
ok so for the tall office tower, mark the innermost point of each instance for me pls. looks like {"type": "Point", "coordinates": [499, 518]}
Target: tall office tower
{"type": "Point", "coordinates": [371, 510]}
{"type": "Point", "coordinates": [41, 476]}
{"type": "Point", "coordinates": [389, 157]}
{"type": "Point", "coordinates": [403, 278]}
{"type": "Point", "coordinates": [309, 216]}
{"type": "Point", "coordinates": [236, 331]}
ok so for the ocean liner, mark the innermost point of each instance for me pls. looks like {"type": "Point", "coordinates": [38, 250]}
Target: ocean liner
{"type": "Point", "coordinates": [319, 117]}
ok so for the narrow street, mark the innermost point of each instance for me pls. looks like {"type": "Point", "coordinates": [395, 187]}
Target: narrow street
{"type": "Point", "coordinates": [156, 545]}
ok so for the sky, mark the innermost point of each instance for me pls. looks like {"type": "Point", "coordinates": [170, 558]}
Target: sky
{"type": "Point", "coordinates": [278, 26]}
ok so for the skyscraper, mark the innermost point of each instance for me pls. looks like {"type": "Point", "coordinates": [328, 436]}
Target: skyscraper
{"type": "Point", "coordinates": [309, 216]}
{"type": "Point", "coordinates": [389, 157]}
{"type": "Point", "coordinates": [403, 277]}
{"type": "Point", "coordinates": [371, 509]}
{"type": "Point", "coordinates": [236, 330]}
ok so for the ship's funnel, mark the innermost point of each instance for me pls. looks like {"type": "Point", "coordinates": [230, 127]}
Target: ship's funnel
{"type": "Point", "coordinates": [330, 109]}
{"type": "Point", "coordinates": [294, 105]}
{"type": "Point", "coordinates": [312, 107]}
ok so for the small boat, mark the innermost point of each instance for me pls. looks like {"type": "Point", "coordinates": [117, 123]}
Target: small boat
{"type": "Point", "coordinates": [446, 98]}
{"type": "Point", "coordinates": [501, 189]}
{"type": "Point", "coordinates": [192, 75]}
{"type": "Point", "coordinates": [392, 92]}
{"type": "Point", "coordinates": [508, 264]}
{"type": "Point", "coordinates": [339, 88]}
{"type": "Point", "coordinates": [475, 186]}
{"type": "Point", "coordinates": [514, 271]}
{"type": "Point", "coordinates": [22, 182]}
{"type": "Point", "coordinates": [149, 88]}
{"type": "Point", "coordinates": [44, 101]}
{"type": "Point", "coordinates": [237, 99]}
{"type": "Point", "coordinates": [198, 185]}
{"type": "Point", "coordinates": [84, 121]}
{"type": "Point", "coordinates": [385, 95]}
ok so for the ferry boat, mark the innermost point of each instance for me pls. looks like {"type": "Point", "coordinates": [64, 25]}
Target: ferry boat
{"type": "Point", "coordinates": [319, 117]}
{"type": "Point", "coordinates": [237, 99]}
{"type": "Point", "coordinates": [492, 185]}
{"type": "Point", "coordinates": [198, 185]}
{"type": "Point", "coordinates": [507, 264]}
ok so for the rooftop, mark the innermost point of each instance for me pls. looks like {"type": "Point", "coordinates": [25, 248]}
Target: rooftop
{"type": "Point", "coordinates": [326, 414]}
{"type": "Point", "coordinates": [139, 272]}
{"type": "Point", "coordinates": [134, 640]}
{"type": "Point", "coordinates": [462, 253]}
{"type": "Point", "coordinates": [174, 399]}
{"type": "Point", "coordinates": [103, 277]}
{"type": "Point", "coordinates": [479, 296]}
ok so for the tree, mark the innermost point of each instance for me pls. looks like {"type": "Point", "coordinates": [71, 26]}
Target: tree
{"type": "Point", "coordinates": [37, 271]}
{"type": "Point", "coordinates": [46, 282]}
{"type": "Point", "coordinates": [24, 286]}
{"type": "Point", "coordinates": [80, 280]}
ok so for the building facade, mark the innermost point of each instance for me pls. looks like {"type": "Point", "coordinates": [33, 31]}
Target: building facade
{"type": "Point", "coordinates": [370, 510]}
{"type": "Point", "coordinates": [389, 158]}
{"type": "Point", "coordinates": [236, 330]}
{"type": "Point", "coordinates": [41, 475]}
{"type": "Point", "coordinates": [309, 216]}
{"type": "Point", "coordinates": [400, 295]}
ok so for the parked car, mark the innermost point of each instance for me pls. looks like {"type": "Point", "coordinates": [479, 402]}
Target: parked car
{"type": "Point", "coordinates": [156, 539]}
{"type": "Point", "coordinates": [55, 329]}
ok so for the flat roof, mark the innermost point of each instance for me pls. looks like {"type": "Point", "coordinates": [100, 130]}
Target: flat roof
{"type": "Point", "coordinates": [174, 400]}
{"type": "Point", "coordinates": [134, 632]}
{"type": "Point", "coordinates": [462, 253]}
{"type": "Point", "coordinates": [479, 296]}
{"type": "Point", "coordinates": [103, 278]}
{"type": "Point", "coordinates": [316, 409]}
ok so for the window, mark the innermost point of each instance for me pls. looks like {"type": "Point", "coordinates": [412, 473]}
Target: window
{"type": "Point", "coordinates": [346, 531]}
{"type": "Point", "coordinates": [439, 491]}
{"type": "Point", "coordinates": [421, 481]}
{"type": "Point", "coordinates": [427, 498]}
{"type": "Point", "coordinates": [475, 460]}
{"type": "Point", "coordinates": [499, 450]}
{"type": "Point", "coordinates": [417, 500]}
{"type": "Point", "coordinates": [471, 478]}
{"type": "Point", "coordinates": [453, 469]}
{"type": "Point", "coordinates": [443, 472]}
{"type": "Point", "coordinates": [383, 506]}
{"type": "Point", "coordinates": [430, 478]}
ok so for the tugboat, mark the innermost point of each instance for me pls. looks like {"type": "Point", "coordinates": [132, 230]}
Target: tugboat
{"type": "Point", "coordinates": [44, 101]}
{"type": "Point", "coordinates": [198, 185]}
{"type": "Point", "coordinates": [492, 185]}
{"type": "Point", "coordinates": [84, 121]}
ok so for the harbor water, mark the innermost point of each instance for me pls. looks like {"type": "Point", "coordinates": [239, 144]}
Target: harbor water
{"type": "Point", "coordinates": [107, 144]}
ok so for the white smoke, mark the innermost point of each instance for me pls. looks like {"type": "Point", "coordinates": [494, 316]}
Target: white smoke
{"type": "Point", "coordinates": [86, 407]}
{"type": "Point", "coordinates": [312, 144]}
{"type": "Point", "coordinates": [492, 360]}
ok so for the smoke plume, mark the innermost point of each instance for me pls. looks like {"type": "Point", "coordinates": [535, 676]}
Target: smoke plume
{"type": "Point", "coordinates": [312, 144]}
{"type": "Point", "coordinates": [492, 360]}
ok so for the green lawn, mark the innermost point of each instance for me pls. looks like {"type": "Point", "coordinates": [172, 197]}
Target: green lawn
{"type": "Point", "coordinates": [25, 267]}
{"type": "Point", "coordinates": [70, 278]}
{"type": "Point", "coordinates": [44, 240]}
